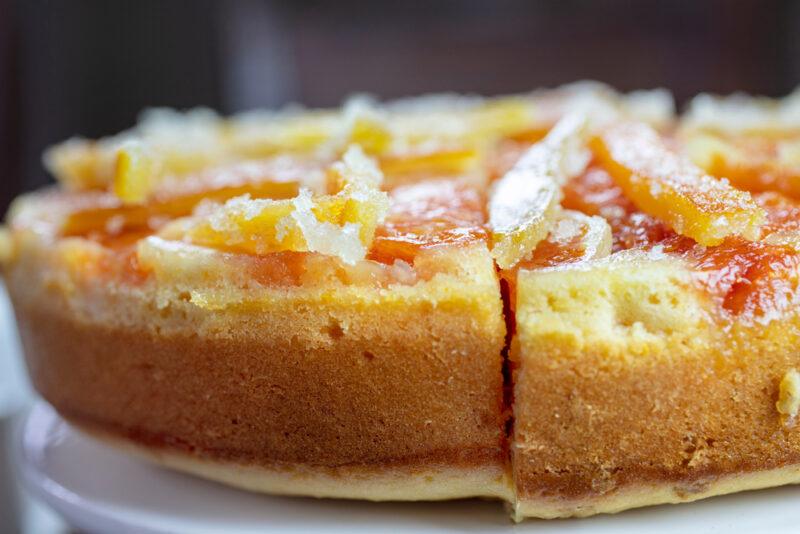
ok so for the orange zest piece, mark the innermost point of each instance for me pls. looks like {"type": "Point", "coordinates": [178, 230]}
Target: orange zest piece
{"type": "Point", "coordinates": [526, 199]}
{"type": "Point", "coordinates": [669, 187]}
{"type": "Point", "coordinates": [441, 161]}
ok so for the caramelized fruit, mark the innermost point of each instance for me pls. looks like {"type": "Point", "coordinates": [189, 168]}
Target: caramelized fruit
{"type": "Point", "coordinates": [525, 200]}
{"type": "Point", "coordinates": [277, 178]}
{"type": "Point", "coordinates": [341, 225]}
{"type": "Point", "coordinates": [574, 237]}
{"type": "Point", "coordinates": [426, 215]}
{"type": "Point", "coordinates": [669, 187]}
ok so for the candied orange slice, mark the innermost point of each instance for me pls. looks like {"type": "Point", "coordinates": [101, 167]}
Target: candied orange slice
{"type": "Point", "coordinates": [341, 225]}
{"type": "Point", "coordinates": [185, 142]}
{"type": "Point", "coordinates": [671, 188]}
{"type": "Point", "coordinates": [441, 160]}
{"type": "Point", "coordinates": [259, 134]}
{"type": "Point", "coordinates": [525, 200]}
{"type": "Point", "coordinates": [502, 117]}
{"type": "Point", "coordinates": [789, 238]}
{"type": "Point", "coordinates": [277, 178]}
{"type": "Point", "coordinates": [365, 125]}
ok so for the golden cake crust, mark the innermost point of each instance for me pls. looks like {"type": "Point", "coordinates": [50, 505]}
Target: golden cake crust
{"type": "Point", "coordinates": [643, 397]}
{"type": "Point", "coordinates": [295, 382]}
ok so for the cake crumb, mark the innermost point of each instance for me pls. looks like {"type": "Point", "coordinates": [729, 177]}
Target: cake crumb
{"type": "Point", "coordinates": [788, 403]}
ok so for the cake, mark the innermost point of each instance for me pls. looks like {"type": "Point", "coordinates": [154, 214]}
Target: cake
{"type": "Point", "coordinates": [569, 300]}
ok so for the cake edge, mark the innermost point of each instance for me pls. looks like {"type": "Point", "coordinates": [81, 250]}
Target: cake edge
{"type": "Point", "coordinates": [371, 483]}
{"type": "Point", "coordinates": [655, 494]}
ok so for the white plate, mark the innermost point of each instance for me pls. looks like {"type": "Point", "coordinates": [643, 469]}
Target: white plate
{"type": "Point", "coordinates": [99, 490]}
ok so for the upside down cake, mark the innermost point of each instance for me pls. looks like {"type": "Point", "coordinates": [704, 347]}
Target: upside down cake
{"type": "Point", "coordinates": [570, 300]}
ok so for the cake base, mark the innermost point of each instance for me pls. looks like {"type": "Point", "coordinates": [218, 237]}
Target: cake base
{"type": "Point", "coordinates": [372, 483]}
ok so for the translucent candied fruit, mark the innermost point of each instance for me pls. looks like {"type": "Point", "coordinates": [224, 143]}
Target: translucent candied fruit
{"type": "Point", "coordinates": [341, 225]}
{"type": "Point", "coordinates": [277, 178]}
{"type": "Point", "coordinates": [525, 200]}
{"type": "Point", "coordinates": [574, 237]}
{"type": "Point", "coordinates": [80, 164]}
{"type": "Point", "coordinates": [595, 193]}
{"type": "Point", "coordinates": [185, 142]}
{"type": "Point", "coordinates": [669, 187]}
{"type": "Point", "coordinates": [365, 125]}
{"type": "Point", "coordinates": [442, 160]}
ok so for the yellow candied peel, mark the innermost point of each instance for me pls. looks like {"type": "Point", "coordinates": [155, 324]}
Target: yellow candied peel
{"type": "Point", "coordinates": [341, 225]}
{"type": "Point", "coordinates": [186, 142]}
{"type": "Point", "coordinates": [525, 200]}
{"type": "Point", "coordinates": [137, 172]}
{"type": "Point", "coordinates": [401, 151]}
{"type": "Point", "coordinates": [668, 186]}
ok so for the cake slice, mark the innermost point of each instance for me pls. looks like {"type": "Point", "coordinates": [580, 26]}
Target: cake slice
{"type": "Point", "coordinates": [282, 369]}
{"type": "Point", "coordinates": [667, 371]}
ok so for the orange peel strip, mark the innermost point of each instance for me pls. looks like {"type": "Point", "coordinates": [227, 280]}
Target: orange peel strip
{"type": "Point", "coordinates": [526, 199]}
{"type": "Point", "coordinates": [671, 188]}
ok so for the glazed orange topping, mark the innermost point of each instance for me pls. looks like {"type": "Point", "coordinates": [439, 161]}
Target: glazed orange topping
{"type": "Point", "coordinates": [668, 186]}
{"type": "Point", "coordinates": [429, 214]}
{"type": "Point", "coordinates": [551, 252]}
{"type": "Point", "coordinates": [747, 278]}
{"type": "Point", "coordinates": [753, 279]}
{"type": "Point", "coordinates": [595, 193]}
{"type": "Point", "coordinates": [275, 178]}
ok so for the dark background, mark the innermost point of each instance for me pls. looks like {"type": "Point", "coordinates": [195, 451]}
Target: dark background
{"type": "Point", "coordinates": [88, 67]}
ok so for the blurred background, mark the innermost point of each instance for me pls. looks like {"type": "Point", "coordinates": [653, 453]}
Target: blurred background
{"type": "Point", "coordinates": [87, 67]}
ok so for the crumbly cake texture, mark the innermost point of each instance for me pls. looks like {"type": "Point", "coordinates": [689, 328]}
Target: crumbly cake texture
{"type": "Point", "coordinates": [569, 300]}
{"type": "Point", "coordinates": [640, 397]}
